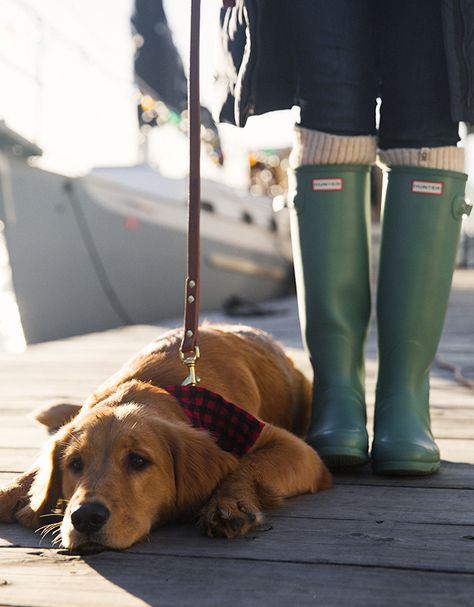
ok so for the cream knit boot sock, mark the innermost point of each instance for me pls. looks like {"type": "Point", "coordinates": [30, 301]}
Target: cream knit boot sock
{"type": "Point", "coordinates": [448, 158]}
{"type": "Point", "coordinates": [316, 147]}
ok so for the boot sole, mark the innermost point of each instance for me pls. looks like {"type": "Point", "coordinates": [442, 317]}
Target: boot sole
{"type": "Point", "coordinates": [404, 468]}
{"type": "Point", "coordinates": [336, 458]}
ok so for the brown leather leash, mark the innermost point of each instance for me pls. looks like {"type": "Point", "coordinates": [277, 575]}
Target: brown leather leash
{"type": "Point", "coordinates": [189, 349]}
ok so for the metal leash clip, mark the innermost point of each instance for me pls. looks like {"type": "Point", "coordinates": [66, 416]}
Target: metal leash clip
{"type": "Point", "coordinates": [189, 359]}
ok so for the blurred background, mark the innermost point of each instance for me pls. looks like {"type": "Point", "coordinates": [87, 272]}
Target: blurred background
{"type": "Point", "coordinates": [66, 68]}
{"type": "Point", "coordinates": [92, 176]}
{"type": "Point", "coordinates": [92, 172]}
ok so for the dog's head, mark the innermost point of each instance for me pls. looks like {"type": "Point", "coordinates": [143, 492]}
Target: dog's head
{"type": "Point", "coordinates": [122, 467]}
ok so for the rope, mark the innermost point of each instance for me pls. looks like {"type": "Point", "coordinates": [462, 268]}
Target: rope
{"type": "Point", "coordinates": [94, 256]}
{"type": "Point", "coordinates": [456, 371]}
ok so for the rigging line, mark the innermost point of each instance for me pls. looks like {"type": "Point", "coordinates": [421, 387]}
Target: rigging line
{"type": "Point", "coordinates": [19, 70]}
{"type": "Point", "coordinates": [74, 13]}
{"type": "Point", "coordinates": [456, 371]}
{"type": "Point", "coordinates": [74, 18]}
{"type": "Point", "coordinates": [101, 64]}
{"type": "Point", "coordinates": [94, 255]}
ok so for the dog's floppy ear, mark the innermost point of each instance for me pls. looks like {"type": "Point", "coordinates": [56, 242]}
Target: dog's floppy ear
{"type": "Point", "coordinates": [55, 414]}
{"type": "Point", "coordinates": [46, 487]}
{"type": "Point", "coordinates": [199, 466]}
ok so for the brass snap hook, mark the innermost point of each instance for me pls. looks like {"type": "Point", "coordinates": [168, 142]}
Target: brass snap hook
{"type": "Point", "coordinates": [189, 359]}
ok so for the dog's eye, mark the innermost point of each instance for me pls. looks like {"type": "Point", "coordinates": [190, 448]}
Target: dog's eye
{"type": "Point", "coordinates": [136, 462]}
{"type": "Point", "coordinates": [76, 464]}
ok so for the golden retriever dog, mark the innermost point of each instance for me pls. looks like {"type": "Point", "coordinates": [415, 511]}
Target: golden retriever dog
{"type": "Point", "coordinates": [129, 458]}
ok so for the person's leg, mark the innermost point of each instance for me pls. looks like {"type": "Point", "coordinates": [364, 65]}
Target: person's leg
{"type": "Point", "coordinates": [421, 225]}
{"type": "Point", "coordinates": [415, 111]}
{"type": "Point", "coordinates": [329, 191]}
{"type": "Point", "coordinates": [333, 49]}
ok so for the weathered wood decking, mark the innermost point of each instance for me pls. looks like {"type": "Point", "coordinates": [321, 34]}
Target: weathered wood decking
{"type": "Point", "coordinates": [368, 541]}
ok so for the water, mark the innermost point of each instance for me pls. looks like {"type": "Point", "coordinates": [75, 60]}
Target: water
{"type": "Point", "coordinates": [11, 332]}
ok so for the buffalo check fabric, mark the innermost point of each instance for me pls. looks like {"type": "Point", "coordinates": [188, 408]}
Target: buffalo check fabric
{"type": "Point", "coordinates": [234, 429]}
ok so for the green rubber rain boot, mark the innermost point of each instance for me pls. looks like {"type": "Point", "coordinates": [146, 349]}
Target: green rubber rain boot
{"type": "Point", "coordinates": [421, 227]}
{"type": "Point", "coordinates": [330, 221]}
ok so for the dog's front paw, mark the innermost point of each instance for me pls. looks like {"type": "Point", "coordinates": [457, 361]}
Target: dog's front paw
{"type": "Point", "coordinates": [12, 498]}
{"type": "Point", "coordinates": [27, 517]}
{"type": "Point", "coordinates": [229, 517]}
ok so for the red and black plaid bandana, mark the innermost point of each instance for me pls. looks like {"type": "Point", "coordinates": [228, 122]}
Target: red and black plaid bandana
{"type": "Point", "coordinates": [234, 429]}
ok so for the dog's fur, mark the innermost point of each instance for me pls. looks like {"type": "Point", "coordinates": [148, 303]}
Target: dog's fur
{"type": "Point", "coordinates": [185, 474]}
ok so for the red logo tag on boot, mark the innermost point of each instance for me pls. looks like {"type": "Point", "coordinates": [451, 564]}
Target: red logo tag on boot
{"type": "Point", "coordinates": [433, 188]}
{"type": "Point", "coordinates": [333, 184]}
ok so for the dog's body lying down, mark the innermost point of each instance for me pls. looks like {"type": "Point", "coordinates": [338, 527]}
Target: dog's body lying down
{"type": "Point", "coordinates": [129, 459]}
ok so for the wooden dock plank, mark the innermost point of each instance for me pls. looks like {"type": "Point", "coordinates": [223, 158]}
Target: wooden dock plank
{"type": "Point", "coordinates": [450, 476]}
{"type": "Point", "coordinates": [338, 541]}
{"type": "Point", "coordinates": [386, 544]}
{"type": "Point", "coordinates": [368, 541]}
{"type": "Point", "coordinates": [108, 579]}
{"type": "Point", "coordinates": [17, 460]}
{"type": "Point", "coordinates": [382, 502]}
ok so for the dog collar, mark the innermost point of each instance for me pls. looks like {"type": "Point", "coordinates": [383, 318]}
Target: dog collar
{"type": "Point", "coordinates": [234, 429]}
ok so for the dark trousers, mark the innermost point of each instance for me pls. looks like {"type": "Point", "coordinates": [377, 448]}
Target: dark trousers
{"type": "Point", "coordinates": [347, 53]}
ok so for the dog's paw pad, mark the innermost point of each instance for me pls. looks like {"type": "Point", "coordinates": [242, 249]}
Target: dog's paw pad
{"type": "Point", "coordinates": [227, 517]}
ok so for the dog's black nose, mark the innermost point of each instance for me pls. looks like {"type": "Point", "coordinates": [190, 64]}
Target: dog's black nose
{"type": "Point", "coordinates": [89, 517]}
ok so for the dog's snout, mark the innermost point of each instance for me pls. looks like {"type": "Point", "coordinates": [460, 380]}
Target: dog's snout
{"type": "Point", "coordinates": [89, 517]}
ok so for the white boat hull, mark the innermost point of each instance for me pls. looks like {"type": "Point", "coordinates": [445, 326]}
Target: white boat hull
{"type": "Point", "coordinates": [93, 253]}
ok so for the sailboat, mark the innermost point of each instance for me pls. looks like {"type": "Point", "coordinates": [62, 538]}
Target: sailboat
{"type": "Point", "coordinates": [106, 249]}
